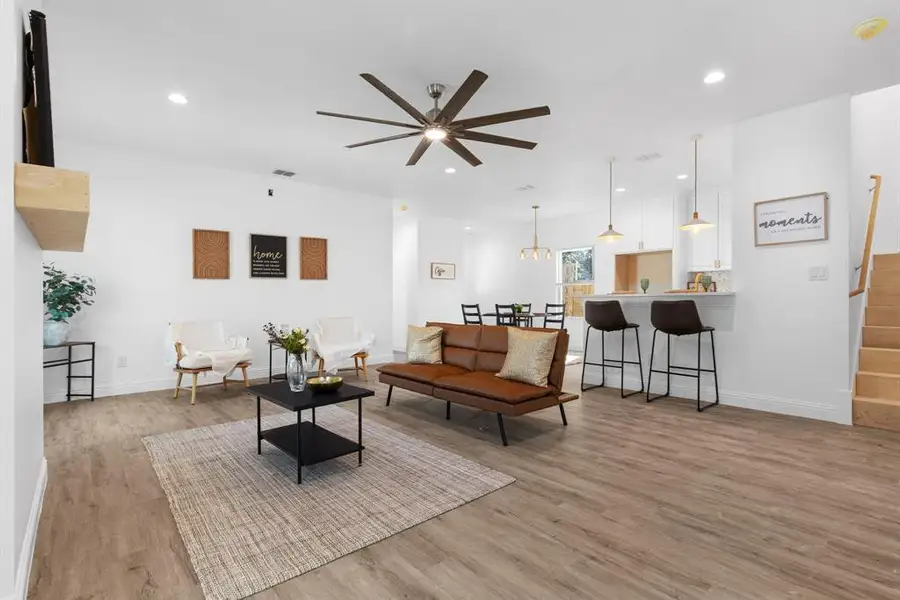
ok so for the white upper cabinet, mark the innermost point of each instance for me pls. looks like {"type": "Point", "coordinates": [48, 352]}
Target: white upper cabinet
{"type": "Point", "coordinates": [627, 221]}
{"type": "Point", "coordinates": [658, 224]}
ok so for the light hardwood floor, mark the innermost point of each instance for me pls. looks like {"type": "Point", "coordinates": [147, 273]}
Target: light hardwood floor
{"type": "Point", "coordinates": [629, 501]}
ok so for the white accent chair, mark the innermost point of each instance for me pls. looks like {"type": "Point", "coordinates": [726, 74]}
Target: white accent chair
{"type": "Point", "coordinates": [337, 339]}
{"type": "Point", "coordinates": [202, 346]}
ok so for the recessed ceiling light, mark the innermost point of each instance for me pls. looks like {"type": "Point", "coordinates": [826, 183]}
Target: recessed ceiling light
{"type": "Point", "coordinates": [449, 170]}
{"type": "Point", "coordinates": [467, 228]}
{"type": "Point", "coordinates": [176, 98]}
{"type": "Point", "coordinates": [714, 77]}
{"type": "Point", "coordinates": [620, 190]}
{"type": "Point", "coordinates": [682, 176]}
{"type": "Point", "coordinates": [870, 28]}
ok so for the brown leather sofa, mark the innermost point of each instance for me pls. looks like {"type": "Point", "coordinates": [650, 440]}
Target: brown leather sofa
{"type": "Point", "coordinates": [472, 355]}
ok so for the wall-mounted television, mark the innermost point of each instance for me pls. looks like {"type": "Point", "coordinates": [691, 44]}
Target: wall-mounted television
{"type": "Point", "coordinates": [36, 112]}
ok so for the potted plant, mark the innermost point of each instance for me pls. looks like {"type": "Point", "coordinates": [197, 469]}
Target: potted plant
{"type": "Point", "coordinates": [64, 295]}
{"type": "Point", "coordinates": [296, 343]}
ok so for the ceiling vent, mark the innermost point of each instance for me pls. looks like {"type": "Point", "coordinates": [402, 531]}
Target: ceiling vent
{"type": "Point", "coordinates": [525, 188]}
{"type": "Point", "coordinates": [648, 157]}
{"type": "Point", "coordinates": [283, 173]}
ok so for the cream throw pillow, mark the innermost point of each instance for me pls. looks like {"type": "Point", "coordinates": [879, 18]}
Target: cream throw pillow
{"type": "Point", "coordinates": [529, 356]}
{"type": "Point", "coordinates": [423, 345]}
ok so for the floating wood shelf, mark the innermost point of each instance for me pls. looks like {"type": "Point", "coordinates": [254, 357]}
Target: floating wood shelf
{"type": "Point", "coordinates": [55, 204]}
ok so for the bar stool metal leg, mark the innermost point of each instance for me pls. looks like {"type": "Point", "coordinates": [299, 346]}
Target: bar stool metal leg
{"type": "Point", "coordinates": [650, 374]}
{"type": "Point", "coordinates": [603, 357]}
{"type": "Point", "coordinates": [637, 339]}
{"type": "Point", "coordinates": [699, 372]}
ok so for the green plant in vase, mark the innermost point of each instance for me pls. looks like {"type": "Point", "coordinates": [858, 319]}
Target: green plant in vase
{"type": "Point", "coordinates": [64, 295]}
{"type": "Point", "coordinates": [296, 343]}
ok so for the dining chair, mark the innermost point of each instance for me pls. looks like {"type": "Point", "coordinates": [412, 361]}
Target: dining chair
{"type": "Point", "coordinates": [525, 318]}
{"type": "Point", "coordinates": [555, 314]}
{"type": "Point", "coordinates": [471, 314]}
{"type": "Point", "coordinates": [505, 314]}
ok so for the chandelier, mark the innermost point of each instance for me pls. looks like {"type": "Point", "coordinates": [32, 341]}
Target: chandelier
{"type": "Point", "coordinates": [535, 250]}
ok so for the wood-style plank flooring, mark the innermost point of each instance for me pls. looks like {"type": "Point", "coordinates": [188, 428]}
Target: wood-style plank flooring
{"type": "Point", "coordinates": [629, 501]}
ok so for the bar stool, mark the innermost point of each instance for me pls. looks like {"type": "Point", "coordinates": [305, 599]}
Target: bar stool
{"type": "Point", "coordinates": [607, 316]}
{"type": "Point", "coordinates": [678, 318]}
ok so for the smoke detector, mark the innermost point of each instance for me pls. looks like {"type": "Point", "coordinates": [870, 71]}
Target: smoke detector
{"type": "Point", "coordinates": [283, 173]}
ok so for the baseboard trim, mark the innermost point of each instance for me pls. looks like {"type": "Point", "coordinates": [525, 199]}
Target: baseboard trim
{"type": "Point", "coordinates": [27, 554]}
{"type": "Point", "coordinates": [137, 387]}
{"type": "Point", "coordinates": [773, 404]}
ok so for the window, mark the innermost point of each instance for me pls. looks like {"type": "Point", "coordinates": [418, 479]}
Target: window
{"type": "Point", "coordinates": [575, 278]}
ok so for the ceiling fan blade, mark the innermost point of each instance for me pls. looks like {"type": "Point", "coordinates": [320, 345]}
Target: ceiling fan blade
{"type": "Point", "coordinates": [457, 147]}
{"type": "Point", "coordinates": [409, 108]}
{"type": "Point", "coordinates": [505, 117]}
{"type": "Point", "coordinates": [385, 139]}
{"type": "Point", "coordinates": [418, 152]}
{"type": "Point", "coordinates": [476, 136]}
{"type": "Point", "coordinates": [368, 119]}
{"type": "Point", "coordinates": [462, 96]}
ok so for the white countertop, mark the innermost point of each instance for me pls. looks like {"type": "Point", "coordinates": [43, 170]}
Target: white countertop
{"type": "Point", "coordinates": [675, 296]}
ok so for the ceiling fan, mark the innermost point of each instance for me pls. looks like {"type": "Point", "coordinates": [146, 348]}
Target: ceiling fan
{"type": "Point", "coordinates": [438, 124]}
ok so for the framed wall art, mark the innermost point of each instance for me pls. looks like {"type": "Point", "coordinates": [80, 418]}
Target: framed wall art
{"type": "Point", "coordinates": [791, 220]}
{"type": "Point", "coordinates": [443, 270]}
{"type": "Point", "coordinates": [211, 254]}
{"type": "Point", "coordinates": [268, 256]}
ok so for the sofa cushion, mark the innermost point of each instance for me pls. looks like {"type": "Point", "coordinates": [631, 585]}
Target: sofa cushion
{"type": "Point", "coordinates": [529, 357]}
{"type": "Point", "coordinates": [482, 383]}
{"type": "Point", "coordinates": [423, 373]}
{"type": "Point", "coordinates": [460, 346]}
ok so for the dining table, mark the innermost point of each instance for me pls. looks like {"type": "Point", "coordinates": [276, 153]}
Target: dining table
{"type": "Point", "coordinates": [527, 316]}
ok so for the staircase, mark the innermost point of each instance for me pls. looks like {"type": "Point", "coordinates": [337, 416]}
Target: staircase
{"type": "Point", "coordinates": [876, 402]}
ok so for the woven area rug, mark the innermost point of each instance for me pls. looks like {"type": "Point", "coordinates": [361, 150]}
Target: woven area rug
{"type": "Point", "coordinates": [248, 526]}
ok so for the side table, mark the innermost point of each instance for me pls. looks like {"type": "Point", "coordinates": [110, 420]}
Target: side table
{"type": "Point", "coordinates": [68, 362]}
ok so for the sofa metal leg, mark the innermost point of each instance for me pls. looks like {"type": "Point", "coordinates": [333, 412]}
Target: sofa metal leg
{"type": "Point", "coordinates": [502, 429]}
{"type": "Point", "coordinates": [562, 413]}
{"type": "Point", "coordinates": [390, 389]}
{"type": "Point", "coordinates": [448, 410]}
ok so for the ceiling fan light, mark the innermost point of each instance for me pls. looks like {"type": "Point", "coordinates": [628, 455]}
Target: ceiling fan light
{"type": "Point", "coordinates": [435, 133]}
{"type": "Point", "coordinates": [696, 224]}
{"type": "Point", "coordinates": [610, 235]}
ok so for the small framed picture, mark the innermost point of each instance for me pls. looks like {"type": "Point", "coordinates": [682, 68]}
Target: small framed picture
{"type": "Point", "coordinates": [712, 286]}
{"type": "Point", "coordinates": [443, 270]}
{"type": "Point", "coordinates": [692, 285]}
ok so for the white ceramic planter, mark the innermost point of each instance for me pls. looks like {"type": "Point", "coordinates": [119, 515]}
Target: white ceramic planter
{"type": "Point", "coordinates": [56, 332]}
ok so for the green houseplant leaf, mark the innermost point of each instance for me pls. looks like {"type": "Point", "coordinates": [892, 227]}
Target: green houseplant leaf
{"type": "Point", "coordinates": [64, 294]}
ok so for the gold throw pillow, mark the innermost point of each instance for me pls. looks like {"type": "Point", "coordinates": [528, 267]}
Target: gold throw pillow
{"type": "Point", "coordinates": [529, 356]}
{"type": "Point", "coordinates": [423, 345]}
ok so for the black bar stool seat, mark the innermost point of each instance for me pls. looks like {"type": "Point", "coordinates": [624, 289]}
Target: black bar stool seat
{"type": "Point", "coordinates": [678, 318]}
{"type": "Point", "coordinates": [606, 316]}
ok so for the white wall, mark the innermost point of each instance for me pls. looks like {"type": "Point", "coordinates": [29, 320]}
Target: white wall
{"type": "Point", "coordinates": [139, 250]}
{"type": "Point", "coordinates": [447, 241]}
{"type": "Point", "coordinates": [788, 351]}
{"type": "Point", "coordinates": [21, 410]}
{"type": "Point", "coordinates": [406, 276]}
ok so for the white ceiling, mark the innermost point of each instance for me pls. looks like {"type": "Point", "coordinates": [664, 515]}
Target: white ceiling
{"type": "Point", "coordinates": [621, 78]}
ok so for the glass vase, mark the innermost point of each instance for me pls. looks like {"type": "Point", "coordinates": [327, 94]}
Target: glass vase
{"type": "Point", "coordinates": [296, 373]}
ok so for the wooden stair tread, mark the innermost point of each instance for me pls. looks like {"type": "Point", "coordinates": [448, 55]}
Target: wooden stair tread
{"type": "Point", "coordinates": [880, 374]}
{"type": "Point", "coordinates": [886, 401]}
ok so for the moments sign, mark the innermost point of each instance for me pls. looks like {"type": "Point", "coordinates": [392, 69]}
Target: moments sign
{"type": "Point", "coordinates": [268, 256]}
{"type": "Point", "coordinates": [792, 220]}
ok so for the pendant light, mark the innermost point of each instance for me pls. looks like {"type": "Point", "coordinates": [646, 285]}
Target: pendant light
{"type": "Point", "coordinates": [610, 235]}
{"type": "Point", "coordinates": [696, 223]}
{"type": "Point", "coordinates": [535, 251]}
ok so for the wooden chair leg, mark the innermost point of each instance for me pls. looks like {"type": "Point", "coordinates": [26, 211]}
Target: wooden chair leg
{"type": "Point", "coordinates": [365, 372]}
{"type": "Point", "coordinates": [225, 383]}
{"type": "Point", "coordinates": [321, 366]}
{"type": "Point", "coordinates": [194, 389]}
{"type": "Point", "coordinates": [356, 365]}
{"type": "Point", "coordinates": [246, 381]}
{"type": "Point", "coordinates": [178, 384]}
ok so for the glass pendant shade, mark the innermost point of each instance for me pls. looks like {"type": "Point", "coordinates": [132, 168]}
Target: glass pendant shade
{"type": "Point", "coordinates": [610, 235]}
{"type": "Point", "coordinates": [549, 254]}
{"type": "Point", "coordinates": [522, 254]}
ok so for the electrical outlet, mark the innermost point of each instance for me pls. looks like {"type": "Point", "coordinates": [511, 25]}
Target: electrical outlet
{"type": "Point", "coordinates": [122, 362]}
{"type": "Point", "coordinates": [823, 273]}
{"type": "Point", "coordinates": [814, 273]}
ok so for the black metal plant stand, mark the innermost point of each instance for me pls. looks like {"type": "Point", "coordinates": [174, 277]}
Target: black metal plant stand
{"type": "Point", "coordinates": [68, 362]}
{"type": "Point", "coordinates": [273, 345]}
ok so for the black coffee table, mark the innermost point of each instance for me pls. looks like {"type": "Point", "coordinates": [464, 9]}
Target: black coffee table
{"type": "Point", "coordinates": [307, 442]}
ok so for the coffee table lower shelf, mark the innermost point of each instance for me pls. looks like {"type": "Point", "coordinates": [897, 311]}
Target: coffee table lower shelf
{"type": "Point", "coordinates": [318, 443]}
